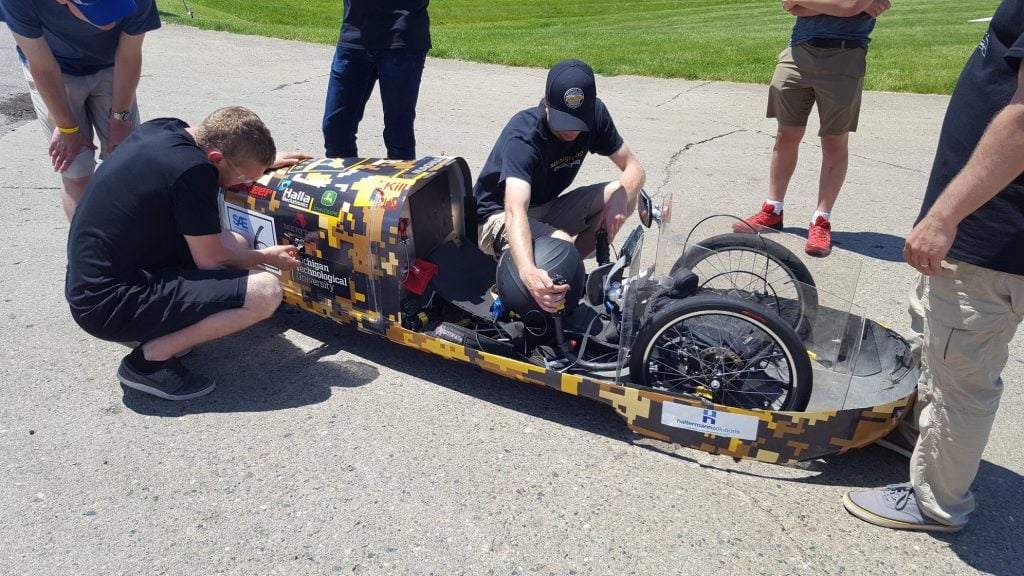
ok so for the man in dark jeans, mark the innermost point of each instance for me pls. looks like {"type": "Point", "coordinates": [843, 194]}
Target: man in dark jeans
{"type": "Point", "coordinates": [385, 41]}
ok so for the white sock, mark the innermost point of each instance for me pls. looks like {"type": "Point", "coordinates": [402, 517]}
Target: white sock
{"type": "Point", "coordinates": [825, 215]}
{"type": "Point", "coordinates": [776, 205]}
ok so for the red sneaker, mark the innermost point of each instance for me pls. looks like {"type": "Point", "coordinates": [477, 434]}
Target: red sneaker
{"type": "Point", "coordinates": [819, 238]}
{"type": "Point", "coordinates": [766, 218]}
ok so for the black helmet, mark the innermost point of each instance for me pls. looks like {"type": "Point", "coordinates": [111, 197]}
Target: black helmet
{"type": "Point", "coordinates": [561, 261]}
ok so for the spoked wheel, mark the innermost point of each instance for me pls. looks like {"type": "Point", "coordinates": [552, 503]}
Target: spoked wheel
{"type": "Point", "coordinates": [724, 350]}
{"type": "Point", "coordinates": [755, 269]}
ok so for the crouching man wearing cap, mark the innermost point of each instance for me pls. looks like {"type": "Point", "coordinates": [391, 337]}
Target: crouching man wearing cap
{"type": "Point", "coordinates": [536, 158]}
{"type": "Point", "coordinates": [82, 60]}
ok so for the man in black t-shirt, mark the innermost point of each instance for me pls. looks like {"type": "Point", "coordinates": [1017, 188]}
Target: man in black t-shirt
{"type": "Point", "coordinates": [537, 156]}
{"type": "Point", "coordinates": [383, 41]}
{"type": "Point", "coordinates": [147, 259]}
{"type": "Point", "coordinates": [969, 300]}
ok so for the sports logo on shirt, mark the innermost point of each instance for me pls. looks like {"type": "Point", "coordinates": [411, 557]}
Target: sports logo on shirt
{"type": "Point", "coordinates": [573, 98]}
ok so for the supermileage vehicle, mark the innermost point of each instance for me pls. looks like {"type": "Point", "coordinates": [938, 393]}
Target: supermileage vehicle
{"type": "Point", "coordinates": [729, 343]}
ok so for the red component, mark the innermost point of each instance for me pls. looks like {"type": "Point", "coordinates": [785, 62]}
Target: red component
{"type": "Point", "coordinates": [419, 276]}
{"type": "Point", "coordinates": [403, 228]}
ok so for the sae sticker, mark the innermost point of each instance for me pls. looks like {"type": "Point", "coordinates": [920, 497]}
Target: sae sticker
{"type": "Point", "coordinates": [257, 228]}
{"type": "Point", "coordinates": [708, 421]}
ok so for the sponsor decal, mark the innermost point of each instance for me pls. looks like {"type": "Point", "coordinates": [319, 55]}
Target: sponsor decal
{"type": "Point", "coordinates": [317, 274]}
{"type": "Point", "coordinates": [573, 98]}
{"type": "Point", "coordinates": [325, 204]}
{"type": "Point", "coordinates": [257, 228]}
{"type": "Point", "coordinates": [261, 192]}
{"type": "Point", "coordinates": [420, 169]}
{"type": "Point", "coordinates": [709, 421]}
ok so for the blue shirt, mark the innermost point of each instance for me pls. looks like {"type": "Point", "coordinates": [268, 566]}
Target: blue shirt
{"type": "Point", "coordinates": [79, 47]}
{"type": "Point", "coordinates": [857, 27]}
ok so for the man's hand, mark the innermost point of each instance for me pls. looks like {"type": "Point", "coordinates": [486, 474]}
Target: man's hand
{"type": "Point", "coordinates": [284, 256]}
{"type": "Point", "coordinates": [928, 244]}
{"type": "Point", "coordinates": [788, 5]}
{"type": "Point", "coordinates": [116, 133]}
{"type": "Point", "coordinates": [878, 7]}
{"type": "Point", "coordinates": [65, 147]}
{"type": "Point", "coordinates": [288, 159]}
{"type": "Point", "coordinates": [547, 295]}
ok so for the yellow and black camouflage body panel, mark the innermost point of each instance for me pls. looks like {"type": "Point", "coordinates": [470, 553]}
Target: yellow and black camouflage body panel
{"type": "Point", "coordinates": [780, 437]}
{"type": "Point", "coordinates": [345, 214]}
{"type": "Point", "coordinates": [347, 217]}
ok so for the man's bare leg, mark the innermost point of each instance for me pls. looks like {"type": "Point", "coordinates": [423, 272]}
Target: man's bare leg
{"type": "Point", "coordinates": [74, 190]}
{"type": "Point", "coordinates": [262, 297]}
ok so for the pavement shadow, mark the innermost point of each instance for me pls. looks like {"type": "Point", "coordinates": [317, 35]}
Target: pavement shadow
{"type": "Point", "coordinates": [531, 399]}
{"type": "Point", "coordinates": [877, 245]}
{"type": "Point", "coordinates": [993, 541]}
{"type": "Point", "coordinates": [260, 369]}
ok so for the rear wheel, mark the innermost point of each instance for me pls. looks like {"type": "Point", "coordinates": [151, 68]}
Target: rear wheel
{"type": "Point", "coordinates": [758, 270]}
{"type": "Point", "coordinates": [724, 350]}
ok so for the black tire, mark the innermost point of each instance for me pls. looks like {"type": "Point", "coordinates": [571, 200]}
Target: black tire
{"type": "Point", "coordinates": [725, 350]}
{"type": "Point", "coordinates": [757, 270]}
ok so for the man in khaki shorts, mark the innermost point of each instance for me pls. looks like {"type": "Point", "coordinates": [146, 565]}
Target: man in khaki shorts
{"type": "Point", "coordinates": [824, 64]}
{"type": "Point", "coordinates": [82, 60]}
{"type": "Point", "coordinates": [537, 156]}
{"type": "Point", "coordinates": [969, 298]}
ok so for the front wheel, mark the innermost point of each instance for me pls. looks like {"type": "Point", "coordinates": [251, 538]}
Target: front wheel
{"type": "Point", "coordinates": [724, 350]}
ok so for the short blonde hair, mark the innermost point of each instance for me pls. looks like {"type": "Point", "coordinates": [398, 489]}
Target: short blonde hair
{"type": "Point", "coordinates": [239, 133]}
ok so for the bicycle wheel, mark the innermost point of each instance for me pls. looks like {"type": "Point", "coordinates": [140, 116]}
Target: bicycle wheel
{"type": "Point", "coordinates": [725, 350]}
{"type": "Point", "coordinates": [757, 270]}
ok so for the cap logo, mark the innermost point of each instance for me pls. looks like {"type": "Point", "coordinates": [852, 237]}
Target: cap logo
{"type": "Point", "coordinates": [573, 98]}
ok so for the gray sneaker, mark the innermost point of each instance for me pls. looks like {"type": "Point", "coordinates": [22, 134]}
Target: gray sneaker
{"type": "Point", "coordinates": [172, 382]}
{"type": "Point", "coordinates": [894, 506]}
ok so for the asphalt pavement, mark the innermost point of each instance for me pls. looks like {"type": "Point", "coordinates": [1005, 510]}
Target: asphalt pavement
{"type": "Point", "coordinates": [329, 451]}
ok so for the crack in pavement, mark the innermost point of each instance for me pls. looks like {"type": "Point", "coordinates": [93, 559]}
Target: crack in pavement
{"type": "Point", "coordinates": [678, 94]}
{"type": "Point", "coordinates": [282, 86]}
{"type": "Point", "coordinates": [675, 157]}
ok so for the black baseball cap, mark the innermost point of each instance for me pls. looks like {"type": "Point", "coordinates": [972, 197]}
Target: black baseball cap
{"type": "Point", "coordinates": [570, 95]}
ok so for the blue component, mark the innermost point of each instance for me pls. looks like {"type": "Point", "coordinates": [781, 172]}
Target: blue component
{"type": "Point", "coordinates": [497, 310]}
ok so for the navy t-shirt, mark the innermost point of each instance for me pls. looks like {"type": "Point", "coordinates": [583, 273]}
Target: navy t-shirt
{"type": "Point", "coordinates": [857, 27]}
{"type": "Point", "coordinates": [993, 235]}
{"type": "Point", "coordinates": [79, 47]}
{"type": "Point", "coordinates": [384, 24]}
{"type": "Point", "coordinates": [140, 204]}
{"type": "Point", "coordinates": [527, 150]}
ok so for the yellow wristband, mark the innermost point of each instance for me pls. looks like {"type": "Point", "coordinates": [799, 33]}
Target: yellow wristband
{"type": "Point", "coordinates": [72, 130]}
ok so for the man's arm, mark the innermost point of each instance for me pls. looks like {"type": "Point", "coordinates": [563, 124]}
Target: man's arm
{"type": "Point", "coordinates": [520, 242]}
{"type": "Point", "coordinates": [995, 162]}
{"type": "Point", "coordinates": [623, 201]}
{"type": "Point", "coordinates": [840, 8]}
{"type": "Point", "coordinates": [50, 84]}
{"type": "Point", "coordinates": [127, 71]}
{"type": "Point", "coordinates": [213, 251]}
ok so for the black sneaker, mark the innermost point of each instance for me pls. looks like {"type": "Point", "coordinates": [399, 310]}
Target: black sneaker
{"type": "Point", "coordinates": [172, 382]}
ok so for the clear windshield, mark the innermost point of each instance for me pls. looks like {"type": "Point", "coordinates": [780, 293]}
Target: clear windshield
{"type": "Point", "coordinates": [812, 297]}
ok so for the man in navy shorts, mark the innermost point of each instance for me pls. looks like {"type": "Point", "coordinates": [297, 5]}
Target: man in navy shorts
{"type": "Point", "coordinates": [147, 259]}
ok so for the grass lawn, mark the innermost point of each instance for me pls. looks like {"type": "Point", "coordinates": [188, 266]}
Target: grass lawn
{"type": "Point", "coordinates": [918, 46]}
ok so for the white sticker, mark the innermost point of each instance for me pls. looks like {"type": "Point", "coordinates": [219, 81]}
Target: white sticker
{"type": "Point", "coordinates": [708, 421]}
{"type": "Point", "coordinates": [257, 228]}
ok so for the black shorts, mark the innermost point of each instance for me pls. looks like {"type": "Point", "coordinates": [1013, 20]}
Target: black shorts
{"type": "Point", "coordinates": [161, 303]}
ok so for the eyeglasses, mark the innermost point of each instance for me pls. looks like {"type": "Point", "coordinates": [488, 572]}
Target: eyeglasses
{"type": "Point", "coordinates": [241, 178]}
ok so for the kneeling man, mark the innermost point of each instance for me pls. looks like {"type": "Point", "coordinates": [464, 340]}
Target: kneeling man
{"type": "Point", "coordinates": [540, 151]}
{"type": "Point", "coordinates": [147, 259]}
